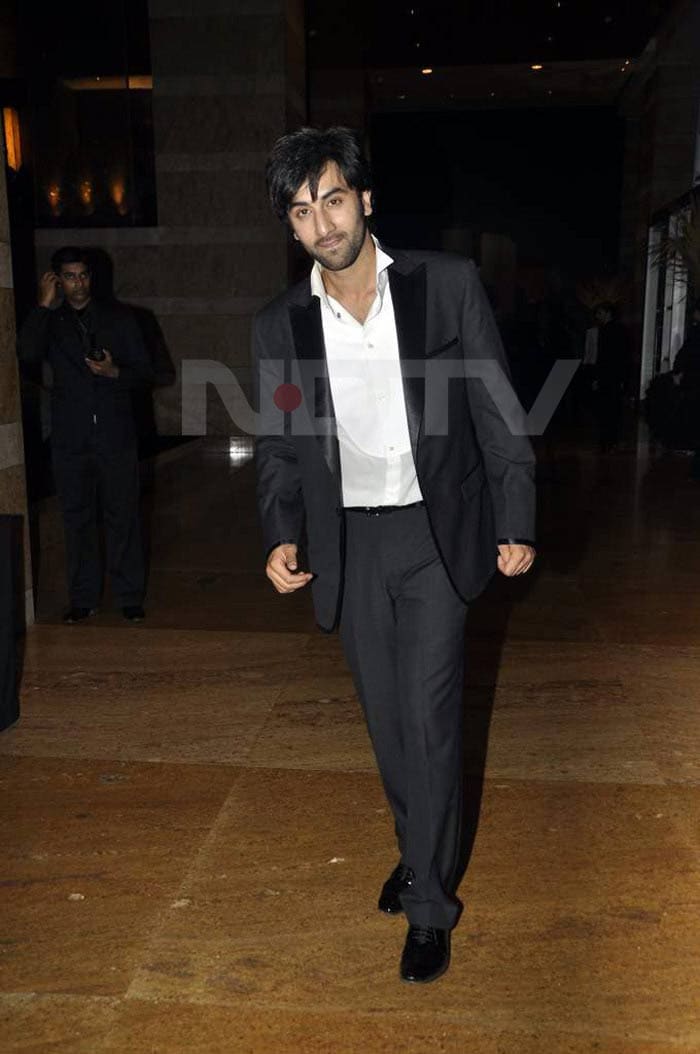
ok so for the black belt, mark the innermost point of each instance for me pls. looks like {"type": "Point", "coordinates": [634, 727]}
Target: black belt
{"type": "Point", "coordinates": [381, 510]}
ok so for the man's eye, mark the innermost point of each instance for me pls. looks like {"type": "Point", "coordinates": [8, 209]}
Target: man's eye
{"type": "Point", "coordinates": [335, 201]}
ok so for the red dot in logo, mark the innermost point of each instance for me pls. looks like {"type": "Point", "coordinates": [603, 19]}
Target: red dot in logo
{"type": "Point", "coordinates": [287, 397]}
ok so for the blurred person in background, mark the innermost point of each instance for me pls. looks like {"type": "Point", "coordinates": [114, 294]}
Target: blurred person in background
{"type": "Point", "coordinates": [96, 357]}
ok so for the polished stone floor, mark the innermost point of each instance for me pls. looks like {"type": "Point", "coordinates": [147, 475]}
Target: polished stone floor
{"type": "Point", "coordinates": [195, 834]}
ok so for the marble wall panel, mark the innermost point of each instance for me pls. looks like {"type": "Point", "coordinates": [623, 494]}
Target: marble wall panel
{"type": "Point", "coordinates": [9, 394]}
{"type": "Point", "coordinates": [8, 390]}
{"type": "Point", "coordinates": [4, 216]}
{"type": "Point", "coordinates": [227, 79]}
{"type": "Point", "coordinates": [210, 198]}
{"type": "Point", "coordinates": [216, 124]}
{"type": "Point", "coordinates": [11, 444]}
{"type": "Point", "coordinates": [13, 491]}
{"type": "Point", "coordinates": [225, 270]}
{"type": "Point", "coordinates": [250, 44]}
{"type": "Point", "coordinates": [222, 337]}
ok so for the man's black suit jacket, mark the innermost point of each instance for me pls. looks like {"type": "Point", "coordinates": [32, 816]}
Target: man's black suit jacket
{"type": "Point", "coordinates": [77, 396]}
{"type": "Point", "coordinates": [476, 476]}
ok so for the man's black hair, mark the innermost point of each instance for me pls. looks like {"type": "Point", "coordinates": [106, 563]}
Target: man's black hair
{"type": "Point", "coordinates": [301, 157]}
{"type": "Point", "coordinates": [607, 305]}
{"type": "Point", "coordinates": [67, 255]}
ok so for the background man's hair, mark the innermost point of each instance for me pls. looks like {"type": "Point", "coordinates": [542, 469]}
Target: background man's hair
{"type": "Point", "coordinates": [609, 307]}
{"type": "Point", "coordinates": [69, 254]}
{"type": "Point", "coordinates": [301, 156]}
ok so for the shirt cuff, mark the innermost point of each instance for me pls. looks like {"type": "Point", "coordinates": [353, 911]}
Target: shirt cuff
{"type": "Point", "coordinates": [516, 541]}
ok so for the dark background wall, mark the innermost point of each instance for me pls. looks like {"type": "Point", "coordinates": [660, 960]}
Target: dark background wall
{"type": "Point", "coordinates": [549, 179]}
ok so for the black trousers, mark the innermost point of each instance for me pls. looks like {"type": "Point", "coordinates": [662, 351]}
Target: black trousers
{"type": "Point", "coordinates": [402, 628]}
{"type": "Point", "coordinates": [112, 477]}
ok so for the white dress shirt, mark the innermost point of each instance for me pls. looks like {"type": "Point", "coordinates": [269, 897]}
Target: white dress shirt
{"type": "Point", "coordinates": [376, 461]}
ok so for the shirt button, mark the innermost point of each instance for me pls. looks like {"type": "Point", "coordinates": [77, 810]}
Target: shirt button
{"type": "Point", "coordinates": [370, 345]}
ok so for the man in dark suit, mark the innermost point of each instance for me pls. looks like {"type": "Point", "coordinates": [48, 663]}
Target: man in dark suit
{"type": "Point", "coordinates": [97, 357]}
{"type": "Point", "coordinates": [381, 448]}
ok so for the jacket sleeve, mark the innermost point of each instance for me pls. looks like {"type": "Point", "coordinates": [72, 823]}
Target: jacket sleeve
{"type": "Point", "coordinates": [133, 359]}
{"type": "Point", "coordinates": [279, 491]}
{"type": "Point", "coordinates": [33, 338]}
{"type": "Point", "coordinates": [499, 422]}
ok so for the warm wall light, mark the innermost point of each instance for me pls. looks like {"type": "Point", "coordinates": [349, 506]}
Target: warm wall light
{"type": "Point", "coordinates": [117, 192]}
{"type": "Point", "coordinates": [13, 145]}
{"type": "Point", "coordinates": [427, 70]}
{"type": "Point", "coordinates": [85, 194]}
{"type": "Point", "coordinates": [54, 197]}
{"type": "Point", "coordinates": [536, 66]}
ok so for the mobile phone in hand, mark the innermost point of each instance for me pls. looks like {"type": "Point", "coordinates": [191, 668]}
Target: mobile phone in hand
{"type": "Point", "coordinates": [96, 353]}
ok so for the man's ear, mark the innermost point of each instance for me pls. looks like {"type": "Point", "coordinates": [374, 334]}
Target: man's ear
{"type": "Point", "coordinates": [367, 202]}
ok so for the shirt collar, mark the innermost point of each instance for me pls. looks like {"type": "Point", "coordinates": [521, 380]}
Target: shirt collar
{"type": "Point", "coordinates": [383, 261]}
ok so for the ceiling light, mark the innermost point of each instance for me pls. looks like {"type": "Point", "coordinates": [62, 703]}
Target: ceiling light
{"type": "Point", "coordinates": [427, 70]}
{"type": "Point", "coordinates": [536, 66]}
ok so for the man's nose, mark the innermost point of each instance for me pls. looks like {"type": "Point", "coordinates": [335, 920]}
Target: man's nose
{"type": "Point", "coordinates": [324, 224]}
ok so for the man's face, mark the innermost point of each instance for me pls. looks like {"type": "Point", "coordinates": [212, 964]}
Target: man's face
{"type": "Point", "coordinates": [602, 316]}
{"type": "Point", "coordinates": [332, 228]}
{"type": "Point", "coordinates": [75, 283]}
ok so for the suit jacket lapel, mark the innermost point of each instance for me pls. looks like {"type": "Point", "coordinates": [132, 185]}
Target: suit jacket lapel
{"type": "Point", "coordinates": [408, 292]}
{"type": "Point", "coordinates": [307, 329]}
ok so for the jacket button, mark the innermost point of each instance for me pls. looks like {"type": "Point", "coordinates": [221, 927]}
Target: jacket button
{"type": "Point", "coordinates": [338, 510]}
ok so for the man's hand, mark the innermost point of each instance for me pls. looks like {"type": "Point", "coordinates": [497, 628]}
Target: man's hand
{"type": "Point", "coordinates": [282, 569]}
{"type": "Point", "coordinates": [515, 559]}
{"type": "Point", "coordinates": [106, 368]}
{"type": "Point", "coordinates": [48, 289]}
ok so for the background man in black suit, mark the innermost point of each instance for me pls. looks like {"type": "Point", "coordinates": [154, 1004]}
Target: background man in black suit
{"type": "Point", "coordinates": [408, 488]}
{"type": "Point", "coordinates": [97, 356]}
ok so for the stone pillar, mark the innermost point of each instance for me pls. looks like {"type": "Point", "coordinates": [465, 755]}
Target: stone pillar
{"type": "Point", "coordinates": [228, 79]}
{"type": "Point", "coordinates": [13, 491]}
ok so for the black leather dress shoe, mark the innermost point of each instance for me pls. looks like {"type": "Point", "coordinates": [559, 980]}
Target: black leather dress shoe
{"type": "Point", "coordinates": [426, 954]}
{"type": "Point", "coordinates": [76, 614]}
{"type": "Point", "coordinates": [399, 879]}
